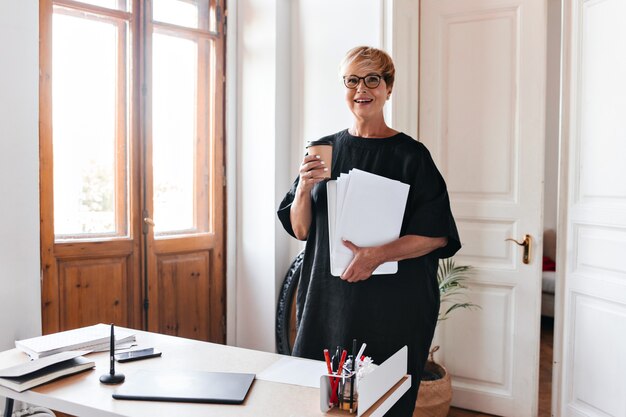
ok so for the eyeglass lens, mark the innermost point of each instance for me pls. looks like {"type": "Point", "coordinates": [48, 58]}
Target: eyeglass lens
{"type": "Point", "coordinates": [352, 81]}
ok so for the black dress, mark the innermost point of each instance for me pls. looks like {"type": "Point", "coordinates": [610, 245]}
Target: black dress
{"type": "Point", "coordinates": [384, 311]}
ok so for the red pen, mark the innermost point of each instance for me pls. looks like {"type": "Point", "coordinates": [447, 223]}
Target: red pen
{"type": "Point", "coordinates": [342, 361]}
{"type": "Point", "coordinates": [333, 385]}
{"type": "Point", "coordinates": [340, 369]}
{"type": "Point", "coordinates": [327, 358]}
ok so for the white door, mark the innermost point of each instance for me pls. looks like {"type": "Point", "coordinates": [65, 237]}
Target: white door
{"type": "Point", "coordinates": [481, 114]}
{"type": "Point", "coordinates": [593, 214]}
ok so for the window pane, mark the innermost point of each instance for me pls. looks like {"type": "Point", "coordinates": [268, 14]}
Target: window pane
{"type": "Point", "coordinates": [84, 86]}
{"type": "Point", "coordinates": [109, 4]}
{"type": "Point", "coordinates": [174, 132]}
{"type": "Point", "coordinates": [188, 13]}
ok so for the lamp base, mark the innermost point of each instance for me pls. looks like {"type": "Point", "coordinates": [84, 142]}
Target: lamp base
{"type": "Point", "coordinates": [112, 379]}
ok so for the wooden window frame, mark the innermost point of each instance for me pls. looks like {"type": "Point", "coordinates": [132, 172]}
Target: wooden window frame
{"type": "Point", "coordinates": [133, 245]}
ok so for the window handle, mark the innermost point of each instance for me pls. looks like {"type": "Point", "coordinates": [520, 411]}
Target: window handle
{"type": "Point", "coordinates": [147, 221]}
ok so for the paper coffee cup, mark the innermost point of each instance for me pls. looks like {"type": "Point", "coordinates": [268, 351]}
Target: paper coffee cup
{"type": "Point", "coordinates": [323, 148]}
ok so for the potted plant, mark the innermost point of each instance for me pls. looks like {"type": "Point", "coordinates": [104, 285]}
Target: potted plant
{"type": "Point", "coordinates": [435, 393]}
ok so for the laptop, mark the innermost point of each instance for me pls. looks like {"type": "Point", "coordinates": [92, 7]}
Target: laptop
{"type": "Point", "coordinates": [186, 386]}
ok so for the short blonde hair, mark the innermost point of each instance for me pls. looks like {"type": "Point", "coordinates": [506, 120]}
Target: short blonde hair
{"type": "Point", "coordinates": [366, 57]}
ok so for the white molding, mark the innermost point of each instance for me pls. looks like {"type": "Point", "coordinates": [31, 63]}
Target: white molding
{"type": "Point", "coordinates": [386, 22]}
{"type": "Point", "coordinates": [563, 203]}
{"type": "Point", "coordinates": [255, 237]}
{"type": "Point", "coordinates": [400, 38]}
{"type": "Point", "coordinates": [561, 215]}
{"type": "Point", "coordinates": [230, 143]}
{"type": "Point", "coordinates": [296, 113]}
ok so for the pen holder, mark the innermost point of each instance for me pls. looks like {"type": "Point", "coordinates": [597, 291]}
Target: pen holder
{"type": "Point", "coordinates": [339, 391]}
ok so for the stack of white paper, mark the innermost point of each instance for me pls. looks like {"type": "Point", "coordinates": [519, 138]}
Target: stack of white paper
{"type": "Point", "coordinates": [30, 374]}
{"type": "Point", "coordinates": [366, 209]}
{"type": "Point", "coordinates": [94, 338]}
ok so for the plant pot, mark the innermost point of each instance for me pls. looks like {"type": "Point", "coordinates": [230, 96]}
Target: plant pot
{"type": "Point", "coordinates": [435, 395]}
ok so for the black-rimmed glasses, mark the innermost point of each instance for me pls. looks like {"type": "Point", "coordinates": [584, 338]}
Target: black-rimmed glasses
{"type": "Point", "coordinates": [352, 81]}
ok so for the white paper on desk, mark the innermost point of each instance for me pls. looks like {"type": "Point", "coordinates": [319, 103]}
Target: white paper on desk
{"type": "Point", "coordinates": [92, 338]}
{"type": "Point", "coordinates": [37, 364]}
{"type": "Point", "coordinates": [294, 371]}
{"type": "Point", "coordinates": [366, 209]}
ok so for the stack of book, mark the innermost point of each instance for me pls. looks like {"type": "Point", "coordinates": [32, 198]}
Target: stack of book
{"type": "Point", "coordinates": [94, 338]}
{"type": "Point", "coordinates": [33, 373]}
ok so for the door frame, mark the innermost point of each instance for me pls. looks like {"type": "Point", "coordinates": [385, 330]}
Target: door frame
{"type": "Point", "coordinates": [562, 203]}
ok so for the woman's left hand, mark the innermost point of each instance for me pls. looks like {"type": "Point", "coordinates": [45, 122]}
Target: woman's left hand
{"type": "Point", "coordinates": [363, 264]}
{"type": "Point", "coordinates": [367, 259]}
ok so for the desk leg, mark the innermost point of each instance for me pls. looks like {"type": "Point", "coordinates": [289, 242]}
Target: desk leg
{"type": "Point", "coordinates": [8, 407]}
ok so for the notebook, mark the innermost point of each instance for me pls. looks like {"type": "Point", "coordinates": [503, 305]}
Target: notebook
{"type": "Point", "coordinates": [186, 386]}
{"type": "Point", "coordinates": [31, 374]}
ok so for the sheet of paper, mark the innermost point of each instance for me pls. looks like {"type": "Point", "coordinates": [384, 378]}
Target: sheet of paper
{"type": "Point", "coordinates": [340, 256]}
{"type": "Point", "coordinates": [331, 197]}
{"type": "Point", "coordinates": [32, 366]}
{"type": "Point", "coordinates": [369, 212]}
{"type": "Point", "coordinates": [84, 338]}
{"type": "Point", "coordinates": [342, 185]}
{"type": "Point", "coordinates": [294, 371]}
{"type": "Point", "coordinates": [91, 335]}
{"type": "Point", "coordinates": [373, 209]}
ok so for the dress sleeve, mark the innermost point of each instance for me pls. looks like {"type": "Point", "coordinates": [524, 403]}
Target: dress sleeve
{"type": "Point", "coordinates": [430, 208]}
{"type": "Point", "coordinates": [285, 207]}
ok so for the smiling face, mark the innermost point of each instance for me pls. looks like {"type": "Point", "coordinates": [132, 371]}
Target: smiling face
{"type": "Point", "coordinates": [367, 99]}
{"type": "Point", "coordinates": [364, 102]}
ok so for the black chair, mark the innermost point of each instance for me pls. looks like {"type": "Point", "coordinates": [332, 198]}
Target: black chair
{"type": "Point", "coordinates": [286, 309]}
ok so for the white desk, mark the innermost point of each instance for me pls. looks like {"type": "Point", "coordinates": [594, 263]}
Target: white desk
{"type": "Point", "coordinates": [83, 395]}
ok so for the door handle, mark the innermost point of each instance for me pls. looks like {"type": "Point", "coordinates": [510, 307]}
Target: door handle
{"type": "Point", "coordinates": [527, 244]}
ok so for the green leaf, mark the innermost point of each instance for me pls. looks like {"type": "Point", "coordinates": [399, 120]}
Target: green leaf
{"type": "Point", "coordinates": [451, 279]}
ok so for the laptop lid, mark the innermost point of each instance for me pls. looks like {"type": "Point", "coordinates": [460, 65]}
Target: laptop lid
{"type": "Point", "coordinates": [186, 386]}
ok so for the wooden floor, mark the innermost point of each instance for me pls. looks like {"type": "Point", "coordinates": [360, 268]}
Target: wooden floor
{"type": "Point", "coordinates": [545, 375]}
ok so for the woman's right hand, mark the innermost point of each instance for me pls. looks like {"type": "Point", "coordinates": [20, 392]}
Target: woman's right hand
{"type": "Point", "coordinates": [312, 171]}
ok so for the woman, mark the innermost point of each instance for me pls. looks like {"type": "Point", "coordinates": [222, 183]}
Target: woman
{"type": "Point", "coordinates": [384, 311]}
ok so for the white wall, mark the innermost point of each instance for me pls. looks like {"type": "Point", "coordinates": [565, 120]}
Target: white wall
{"type": "Point", "coordinates": [261, 143]}
{"type": "Point", "coordinates": [288, 91]}
{"type": "Point", "coordinates": [322, 32]}
{"type": "Point", "coordinates": [20, 311]}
